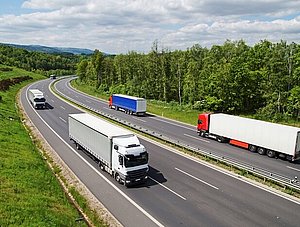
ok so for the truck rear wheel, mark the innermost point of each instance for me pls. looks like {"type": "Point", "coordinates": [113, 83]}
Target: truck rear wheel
{"type": "Point", "coordinates": [271, 154]}
{"type": "Point", "coordinates": [252, 148]}
{"type": "Point", "coordinates": [101, 165]}
{"type": "Point", "coordinates": [261, 151]}
{"type": "Point", "coordinates": [221, 139]}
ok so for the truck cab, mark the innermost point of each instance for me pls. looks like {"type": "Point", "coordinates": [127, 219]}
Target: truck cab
{"type": "Point", "coordinates": [129, 161]}
{"type": "Point", "coordinates": [203, 124]}
{"type": "Point", "coordinates": [110, 101]}
{"type": "Point", "coordinates": [36, 98]}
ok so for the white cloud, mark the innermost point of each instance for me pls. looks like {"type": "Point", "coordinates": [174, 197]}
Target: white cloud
{"type": "Point", "coordinates": [118, 26]}
{"type": "Point", "coordinates": [52, 4]}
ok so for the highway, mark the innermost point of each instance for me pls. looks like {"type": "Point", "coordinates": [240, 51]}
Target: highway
{"type": "Point", "coordinates": [186, 134]}
{"type": "Point", "coordinates": [180, 192]}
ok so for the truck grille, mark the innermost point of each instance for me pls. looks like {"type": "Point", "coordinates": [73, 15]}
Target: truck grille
{"type": "Point", "coordinates": [136, 174]}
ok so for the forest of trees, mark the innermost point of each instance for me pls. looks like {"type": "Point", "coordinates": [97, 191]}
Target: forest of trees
{"type": "Point", "coordinates": [233, 78]}
{"type": "Point", "coordinates": [45, 64]}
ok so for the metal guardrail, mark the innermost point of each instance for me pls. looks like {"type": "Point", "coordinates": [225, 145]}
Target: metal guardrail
{"type": "Point", "coordinates": [292, 183]}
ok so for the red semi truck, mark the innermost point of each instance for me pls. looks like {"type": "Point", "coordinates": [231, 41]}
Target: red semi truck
{"type": "Point", "coordinates": [262, 137]}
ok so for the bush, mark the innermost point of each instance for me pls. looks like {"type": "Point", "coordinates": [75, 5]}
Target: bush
{"type": "Point", "coordinates": [4, 84]}
{"type": "Point", "coordinates": [6, 69]}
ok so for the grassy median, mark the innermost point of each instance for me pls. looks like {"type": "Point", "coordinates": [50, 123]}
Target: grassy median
{"type": "Point", "coordinates": [30, 194]}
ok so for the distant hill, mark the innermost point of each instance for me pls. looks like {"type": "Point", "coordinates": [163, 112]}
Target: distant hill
{"type": "Point", "coordinates": [52, 50]}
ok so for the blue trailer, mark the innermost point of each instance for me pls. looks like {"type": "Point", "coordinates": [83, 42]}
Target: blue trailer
{"type": "Point", "coordinates": [129, 104]}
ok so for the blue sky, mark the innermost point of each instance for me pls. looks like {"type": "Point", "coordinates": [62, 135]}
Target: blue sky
{"type": "Point", "coordinates": [116, 26]}
{"type": "Point", "coordinates": [12, 7]}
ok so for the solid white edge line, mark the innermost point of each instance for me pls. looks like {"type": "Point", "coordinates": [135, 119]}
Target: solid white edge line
{"type": "Point", "coordinates": [167, 188]}
{"type": "Point", "coordinates": [93, 168]}
{"type": "Point", "coordinates": [289, 167]}
{"type": "Point", "coordinates": [206, 141]}
{"type": "Point", "coordinates": [222, 171]}
{"type": "Point", "coordinates": [237, 177]}
{"type": "Point", "coordinates": [155, 118]}
{"type": "Point", "coordinates": [139, 119]}
{"type": "Point", "coordinates": [67, 83]}
{"type": "Point", "coordinates": [196, 178]}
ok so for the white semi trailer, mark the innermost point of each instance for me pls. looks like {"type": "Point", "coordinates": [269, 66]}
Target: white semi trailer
{"type": "Point", "coordinates": [258, 136]}
{"type": "Point", "coordinates": [118, 151]}
{"type": "Point", "coordinates": [36, 98]}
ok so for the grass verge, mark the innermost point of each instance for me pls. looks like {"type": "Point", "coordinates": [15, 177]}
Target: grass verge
{"type": "Point", "coordinates": [30, 194]}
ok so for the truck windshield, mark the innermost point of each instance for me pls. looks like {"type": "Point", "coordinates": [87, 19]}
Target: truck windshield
{"type": "Point", "coordinates": [39, 99]}
{"type": "Point", "coordinates": [131, 160]}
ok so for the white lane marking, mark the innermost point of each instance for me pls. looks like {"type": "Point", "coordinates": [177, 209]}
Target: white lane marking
{"type": "Point", "coordinates": [168, 188]}
{"type": "Point", "coordinates": [62, 107]}
{"type": "Point", "coordinates": [88, 101]}
{"type": "Point", "coordinates": [169, 122]}
{"type": "Point", "coordinates": [197, 138]}
{"type": "Point", "coordinates": [68, 85]}
{"type": "Point", "coordinates": [139, 119]}
{"type": "Point", "coordinates": [94, 169]}
{"type": "Point", "coordinates": [293, 168]}
{"type": "Point", "coordinates": [107, 108]}
{"type": "Point", "coordinates": [52, 100]}
{"type": "Point", "coordinates": [63, 120]}
{"type": "Point", "coordinates": [237, 177]}
{"type": "Point", "coordinates": [225, 172]}
{"type": "Point", "coordinates": [196, 178]}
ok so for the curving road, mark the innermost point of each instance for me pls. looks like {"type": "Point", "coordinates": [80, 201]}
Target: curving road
{"type": "Point", "coordinates": [186, 134]}
{"type": "Point", "coordinates": [181, 191]}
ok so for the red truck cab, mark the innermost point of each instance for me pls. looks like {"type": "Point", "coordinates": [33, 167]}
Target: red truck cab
{"type": "Point", "coordinates": [110, 101]}
{"type": "Point", "coordinates": [203, 122]}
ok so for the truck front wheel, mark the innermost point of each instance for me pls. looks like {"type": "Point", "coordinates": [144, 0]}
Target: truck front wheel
{"type": "Point", "coordinates": [202, 134]}
{"type": "Point", "coordinates": [118, 178]}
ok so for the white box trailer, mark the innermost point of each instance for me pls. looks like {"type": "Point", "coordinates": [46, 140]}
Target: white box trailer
{"type": "Point", "coordinates": [256, 135]}
{"type": "Point", "coordinates": [117, 150]}
{"type": "Point", "coordinates": [36, 98]}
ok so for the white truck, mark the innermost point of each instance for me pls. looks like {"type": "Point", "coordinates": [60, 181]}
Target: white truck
{"type": "Point", "coordinates": [36, 98]}
{"type": "Point", "coordinates": [275, 140]}
{"type": "Point", "coordinates": [117, 151]}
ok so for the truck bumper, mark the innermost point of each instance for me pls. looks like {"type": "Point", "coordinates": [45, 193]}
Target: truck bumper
{"type": "Point", "coordinates": [137, 181]}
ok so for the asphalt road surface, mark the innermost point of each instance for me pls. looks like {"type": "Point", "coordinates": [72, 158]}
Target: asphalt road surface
{"type": "Point", "coordinates": [186, 134]}
{"type": "Point", "coordinates": [180, 192]}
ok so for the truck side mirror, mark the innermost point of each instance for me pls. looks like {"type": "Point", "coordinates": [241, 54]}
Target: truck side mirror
{"type": "Point", "coordinates": [116, 147]}
{"type": "Point", "coordinates": [121, 160]}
